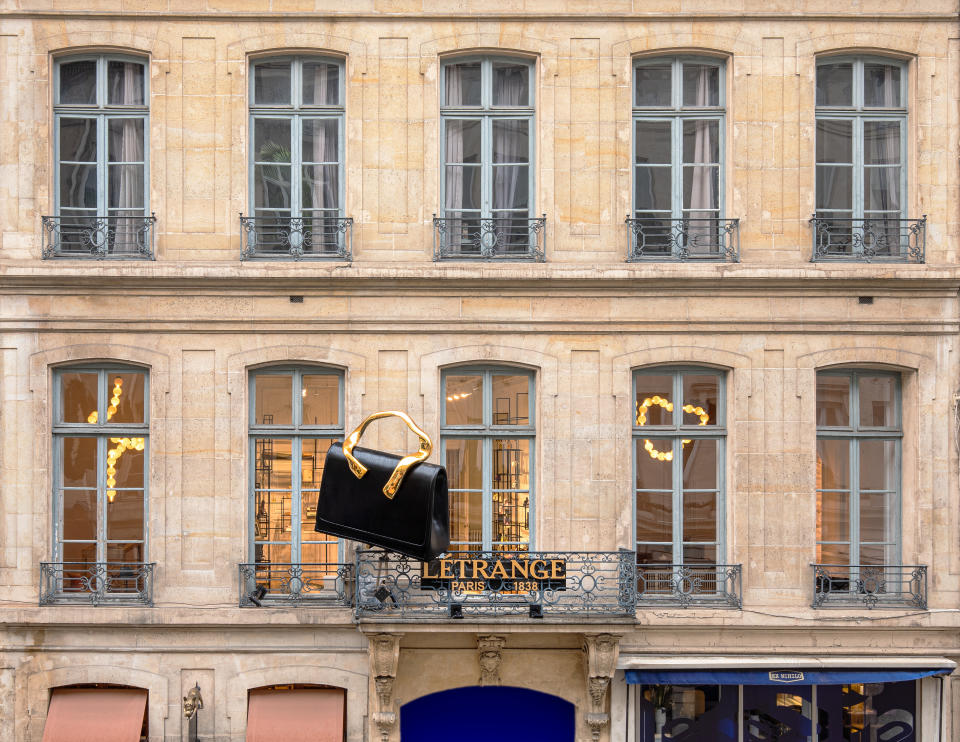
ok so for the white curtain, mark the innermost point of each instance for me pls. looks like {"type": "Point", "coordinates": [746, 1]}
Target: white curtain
{"type": "Point", "coordinates": [702, 236]}
{"type": "Point", "coordinates": [127, 145]}
{"type": "Point", "coordinates": [453, 176]}
{"type": "Point", "coordinates": [324, 191]}
{"type": "Point", "coordinates": [509, 142]}
{"type": "Point", "coordinates": [885, 190]}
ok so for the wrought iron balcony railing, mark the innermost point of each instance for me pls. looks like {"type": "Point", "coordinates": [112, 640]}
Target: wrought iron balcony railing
{"type": "Point", "coordinates": [316, 584]}
{"type": "Point", "coordinates": [870, 585]}
{"type": "Point", "coordinates": [97, 583]}
{"type": "Point", "coordinates": [297, 238]}
{"type": "Point", "coordinates": [877, 239]}
{"type": "Point", "coordinates": [496, 584]}
{"type": "Point", "coordinates": [686, 239]}
{"type": "Point", "coordinates": [713, 585]}
{"type": "Point", "coordinates": [496, 238]}
{"type": "Point", "coordinates": [98, 237]}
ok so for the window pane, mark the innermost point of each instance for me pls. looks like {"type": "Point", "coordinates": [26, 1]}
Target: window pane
{"type": "Point", "coordinates": [700, 516]}
{"type": "Point", "coordinates": [308, 510]}
{"type": "Point", "coordinates": [655, 517]}
{"type": "Point", "coordinates": [701, 85]}
{"type": "Point", "coordinates": [701, 189]}
{"type": "Point", "coordinates": [833, 516]}
{"type": "Point", "coordinates": [79, 514]}
{"type": "Point", "coordinates": [835, 187]}
{"type": "Point", "coordinates": [78, 82]}
{"type": "Point", "coordinates": [511, 84]}
{"type": "Point", "coordinates": [876, 517]}
{"type": "Point", "coordinates": [835, 84]}
{"type": "Point", "coordinates": [123, 553]}
{"type": "Point", "coordinates": [833, 401]}
{"type": "Point", "coordinates": [511, 464]}
{"type": "Point", "coordinates": [700, 465]}
{"type": "Point", "coordinates": [320, 394]}
{"type": "Point", "coordinates": [881, 142]}
{"type": "Point", "coordinates": [652, 189]}
{"type": "Point", "coordinates": [271, 83]}
{"type": "Point", "coordinates": [655, 554]}
{"type": "Point", "coordinates": [833, 464]}
{"type": "Point", "coordinates": [271, 140]}
{"type": "Point", "coordinates": [125, 515]}
{"type": "Point", "coordinates": [464, 400]}
{"type": "Point", "coordinates": [511, 399]}
{"type": "Point", "coordinates": [881, 85]}
{"type": "Point", "coordinates": [876, 554]}
{"type": "Point", "coordinates": [464, 464]}
{"type": "Point", "coordinates": [272, 463]}
{"type": "Point", "coordinates": [462, 84]}
{"type": "Point", "coordinates": [273, 554]}
{"type": "Point", "coordinates": [653, 462]}
{"type": "Point", "coordinates": [272, 399]}
{"type": "Point", "coordinates": [78, 186]}
{"type": "Point", "coordinates": [699, 554]}
{"type": "Point", "coordinates": [125, 140]}
{"type": "Point", "coordinates": [511, 142]}
{"type": "Point", "coordinates": [833, 554]}
{"type": "Point", "coordinates": [125, 463]}
{"type": "Point", "coordinates": [463, 183]}
{"type": "Point", "coordinates": [881, 192]}
{"type": "Point", "coordinates": [125, 191]}
{"type": "Point", "coordinates": [834, 140]}
{"type": "Point", "coordinates": [126, 397]}
{"type": "Point", "coordinates": [653, 142]}
{"type": "Point", "coordinates": [321, 84]}
{"type": "Point", "coordinates": [511, 187]}
{"type": "Point", "coordinates": [78, 397]}
{"type": "Point", "coordinates": [701, 141]}
{"type": "Point", "coordinates": [653, 85]}
{"type": "Point", "coordinates": [125, 83]}
{"type": "Point", "coordinates": [79, 462]}
{"type": "Point", "coordinates": [511, 517]}
{"type": "Point", "coordinates": [272, 515]}
{"type": "Point", "coordinates": [878, 401]}
{"type": "Point", "coordinates": [84, 553]}
{"type": "Point", "coordinates": [313, 454]}
{"type": "Point", "coordinates": [653, 403]}
{"type": "Point", "coordinates": [78, 139]}
{"type": "Point", "coordinates": [466, 519]}
{"type": "Point", "coordinates": [878, 465]}
{"type": "Point", "coordinates": [463, 140]}
{"type": "Point", "coordinates": [769, 713]}
{"type": "Point", "coordinates": [700, 395]}
{"type": "Point", "coordinates": [320, 140]}
{"type": "Point", "coordinates": [314, 553]}
{"type": "Point", "coordinates": [321, 189]}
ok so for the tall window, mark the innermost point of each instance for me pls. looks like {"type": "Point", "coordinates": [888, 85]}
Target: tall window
{"type": "Point", "coordinates": [678, 120]}
{"type": "Point", "coordinates": [861, 152]}
{"type": "Point", "coordinates": [296, 158]}
{"type": "Point", "coordinates": [679, 431]}
{"type": "Point", "coordinates": [487, 122]}
{"type": "Point", "coordinates": [295, 415]}
{"type": "Point", "coordinates": [488, 438]}
{"type": "Point", "coordinates": [100, 441]}
{"type": "Point", "coordinates": [101, 113]}
{"type": "Point", "coordinates": [858, 468]}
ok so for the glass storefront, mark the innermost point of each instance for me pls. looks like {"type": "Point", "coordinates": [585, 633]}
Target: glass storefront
{"type": "Point", "coordinates": [854, 712]}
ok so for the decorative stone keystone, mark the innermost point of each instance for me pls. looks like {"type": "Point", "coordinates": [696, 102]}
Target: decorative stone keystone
{"type": "Point", "coordinates": [489, 650]}
{"type": "Point", "coordinates": [601, 652]}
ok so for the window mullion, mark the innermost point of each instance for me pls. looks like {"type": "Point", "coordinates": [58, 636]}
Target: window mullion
{"type": "Point", "coordinates": [854, 501]}
{"type": "Point", "coordinates": [858, 168]}
{"type": "Point", "coordinates": [486, 160]}
{"type": "Point", "coordinates": [101, 549]}
{"type": "Point", "coordinates": [102, 167]}
{"type": "Point", "coordinates": [296, 496]}
{"type": "Point", "coordinates": [487, 509]}
{"type": "Point", "coordinates": [296, 164]}
{"type": "Point", "coordinates": [676, 157]}
{"type": "Point", "coordinates": [677, 499]}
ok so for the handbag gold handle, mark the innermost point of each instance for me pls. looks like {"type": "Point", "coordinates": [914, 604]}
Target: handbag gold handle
{"type": "Point", "coordinates": [396, 479]}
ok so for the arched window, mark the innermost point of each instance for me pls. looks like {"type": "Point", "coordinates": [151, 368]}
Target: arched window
{"type": "Point", "coordinates": [678, 163]}
{"type": "Point", "coordinates": [295, 414]}
{"type": "Point", "coordinates": [101, 140]}
{"type": "Point", "coordinates": [487, 120]}
{"type": "Point", "coordinates": [488, 438]}
{"type": "Point", "coordinates": [296, 160]}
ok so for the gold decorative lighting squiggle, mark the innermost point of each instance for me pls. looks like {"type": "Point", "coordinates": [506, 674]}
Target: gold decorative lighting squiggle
{"type": "Point", "coordinates": [666, 404]}
{"type": "Point", "coordinates": [123, 444]}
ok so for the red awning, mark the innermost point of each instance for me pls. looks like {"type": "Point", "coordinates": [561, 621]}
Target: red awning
{"type": "Point", "coordinates": [95, 715]}
{"type": "Point", "coordinates": [300, 715]}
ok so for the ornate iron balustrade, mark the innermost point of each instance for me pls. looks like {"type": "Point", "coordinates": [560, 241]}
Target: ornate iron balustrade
{"type": "Point", "coordinates": [297, 238]}
{"type": "Point", "coordinates": [879, 239]}
{"type": "Point", "coordinates": [496, 238]}
{"type": "Point", "coordinates": [870, 585]}
{"type": "Point", "coordinates": [97, 583]}
{"type": "Point", "coordinates": [317, 584]}
{"type": "Point", "coordinates": [714, 585]}
{"type": "Point", "coordinates": [98, 237]}
{"type": "Point", "coordinates": [533, 584]}
{"type": "Point", "coordinates": [686, 239]}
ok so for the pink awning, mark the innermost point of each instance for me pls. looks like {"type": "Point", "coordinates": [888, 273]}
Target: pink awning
{"type": "Point", "coordinates": [299, 715]}
{"type": "Point", "coordinates": [95, 715]}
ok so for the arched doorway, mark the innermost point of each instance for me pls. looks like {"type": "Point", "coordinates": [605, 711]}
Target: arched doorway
{"type": "Point", "coordinates": [482, 714]}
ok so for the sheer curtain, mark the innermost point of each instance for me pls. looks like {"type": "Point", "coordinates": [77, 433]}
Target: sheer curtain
{"type": "Point", "coordinates": [884, 147]}
{"type": "Point", "coordinates": [126, 146]}
{"type": "Point", "coordinates": [509, 144]}
{"type": "Point", "coordinates": [324, 185]}
{"type": "Point", "coordinates": [702, 236]}
{"type": "Point", "coordinates": [453, 177]}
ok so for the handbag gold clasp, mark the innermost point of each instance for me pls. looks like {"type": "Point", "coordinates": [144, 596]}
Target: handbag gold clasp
{"type": "Point", "coordinates": [396, 479]}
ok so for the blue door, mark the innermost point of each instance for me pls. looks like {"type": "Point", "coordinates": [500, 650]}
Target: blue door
{"type": "Point", "coordinates": [485, 714]}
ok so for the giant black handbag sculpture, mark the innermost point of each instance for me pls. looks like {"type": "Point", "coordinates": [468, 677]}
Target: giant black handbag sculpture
{"type": "Point", "coordinates": [399, 503]}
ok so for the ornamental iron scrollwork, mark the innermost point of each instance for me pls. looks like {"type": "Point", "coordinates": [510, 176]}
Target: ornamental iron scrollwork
{"type": "Point", "coordinates": [297, 238]}
{"type": "Point", "coordinates": [685, 239]}
{"type": "Point", "coordinates": [314, 584]}
{"type": "Point", "coordinates": [96, 583]}
{"type": "Point", "coordinates": [685, 585]}
{"type": "Point", "coordinates": [870, 585]}
{"type": "Point", "coordinates": [489, 238]}
{"type": "Point", "coordinates": [98, 237]}
{"type": "Point", "coordinates": [876, 239]}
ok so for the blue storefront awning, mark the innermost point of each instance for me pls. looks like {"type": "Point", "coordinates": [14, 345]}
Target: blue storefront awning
{"type": "Point", "coordinates": [819, 676]}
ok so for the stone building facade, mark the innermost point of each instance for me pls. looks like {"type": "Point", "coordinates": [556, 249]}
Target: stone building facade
{"type": "Point", "coordinates": [455, 271]}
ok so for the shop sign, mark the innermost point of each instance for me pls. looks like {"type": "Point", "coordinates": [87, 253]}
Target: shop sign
{"type": "Point", "coordinates": [786, 677]}
{"type": "Point", "coordinates": [513, 574]}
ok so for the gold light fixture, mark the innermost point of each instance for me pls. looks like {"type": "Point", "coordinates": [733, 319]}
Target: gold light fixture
{"type": "Point", "coordinates": [666, 404]}
{"type": "Point", "coordinates": [122, 444]}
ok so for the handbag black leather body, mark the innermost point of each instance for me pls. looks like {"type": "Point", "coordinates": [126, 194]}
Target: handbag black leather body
{"type": "Point", "coordinates": [356, 502]}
